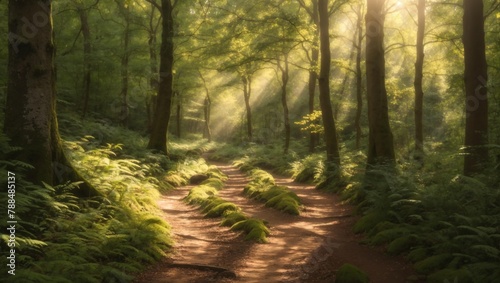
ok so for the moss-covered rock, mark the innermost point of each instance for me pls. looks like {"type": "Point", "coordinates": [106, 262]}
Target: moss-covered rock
{"type": "Point", "coordinates": [349, 273]}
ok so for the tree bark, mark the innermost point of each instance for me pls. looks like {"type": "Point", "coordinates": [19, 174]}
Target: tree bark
{"type": "Point", "coordinates": [30, 116]}
{"type": "Point", "coordinates": [124, 66]}
{"type": "Point", "coordinates": [286, 117]}
{"type": "Point", "coordinates": [153, 63]}
{"type": "Point", "coordinates": [332, 150]}
{"type": "Point", "coordinates": [87, 65]}
{"type": "Point", "coordinates": [313, 72]}
{"type": "Point", "coordinates": [476, 94]}
{"type": "Point", "coordinates": [419, 93]}
{"type": "Point", "coordinates": [178, 115]}
{"type": "Point", "coordinates": [158, 137]}
{"type": "Point", "coordinates": [359, 86]}
{"type": "Point", "coordinates": [247, 91]}
{"type": "Point", "coordinates": [380, 144]}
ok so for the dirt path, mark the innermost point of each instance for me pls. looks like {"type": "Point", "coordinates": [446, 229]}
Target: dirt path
{"type": "Point", "coordinates": [305, 248]}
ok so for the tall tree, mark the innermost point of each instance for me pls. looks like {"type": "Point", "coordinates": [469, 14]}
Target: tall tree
{"type": "Point", "coordinates": [417, 83]}
{"type": "Point", "coordinates": [87, 51]}
{"type": "Point", "coordinates": [161, 117]}
{"type": "Point", "coordinates": [332, 149]}
{"type": "Point", "coordinates": [476, 94]}
{"type": "Point", "coordinates": [30, 116]}
{"type": "Point", "coordinates": [125, 59]}
{"type": "Point", "coordinates": [207, 103]}
{"type": "Point", "coordinates": [359, 80]}
{"type": "Point", "coordinates": [246, 80]}
{"type": "Point", "coordinates": [313, 56]}
{"type": "Point", "coordinates": [380, 140]}
{"type": "Point", "coordinates": [284, 67]}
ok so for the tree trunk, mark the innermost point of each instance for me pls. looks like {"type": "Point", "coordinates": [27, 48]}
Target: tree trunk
{"type": "Point", "coordinates": [286, 117]}
{"type": "Point", "coordinates": [247, 91]}
{"type": "Point", "coordinates": [30, 116]}
{"type": "Point", "coordinates": [476, 78]}
{"type": "Point", "coordinates": [124, 69]}
{"type": "Point", "coordinates": [178, 115]}
{"type": "Point", "coordinates": [332, 150]}
{"type": "Point", "coordinates": [206, 110]}
{"type": "Point", "coordinates": [380, 144]}
{"type": "Point", "coordinates": [419, 93]}
{"type": "Point", "coordinates": [153, 67]}
{"type": "Point", "coordinates": [158, 137]}
{"type": "Point", "coordinates": [87, 66]}
{"type": "Point", "coordinates": [359, 87]}
{"type": "Point", "coordinates": [313, 72]}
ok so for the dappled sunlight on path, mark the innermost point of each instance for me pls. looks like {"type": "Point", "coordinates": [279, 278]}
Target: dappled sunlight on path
{"type": "Point", "coordinates": [300, 248]}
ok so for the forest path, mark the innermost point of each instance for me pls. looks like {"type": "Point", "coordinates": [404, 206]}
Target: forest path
{"type": "Point", "coordinates": [305, 248]}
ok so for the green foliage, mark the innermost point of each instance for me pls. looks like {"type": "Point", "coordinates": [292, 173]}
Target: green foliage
{"type": "Point", "coordinates": [432, 263]}
{"type": "Point", "coordinates": [205, 196]}
{"type": "Point", "coordinates": [61, 238]}
{"type": "Point", "coordinates": [450, 225]}
{"type": "Point", "coordinates": [256, 229]}
{"type": "Point", "coordinates": [262, 188]}
{"type": "Point", "coordinates": [310, 169]}
{"type": "Point", "coordinates": [349, 273]}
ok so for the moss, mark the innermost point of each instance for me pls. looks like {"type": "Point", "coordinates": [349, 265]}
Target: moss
{"type": "Point", "coordinates": [221, 208]}
{"type": "Point", "coordinates": [432, 263]}
{"type": "Point", "coordinates": [369, 221]}
{"type": "Point", "coordinates": [256, 229]}
{"type": "Point", "coordinates": [349, 273]}
{"type": "Point", "coordinates": [214, 183]}
{"type": "Point", "coordinates": [232, 217]}
{"type": "Point", "coordinates": [450, 275]}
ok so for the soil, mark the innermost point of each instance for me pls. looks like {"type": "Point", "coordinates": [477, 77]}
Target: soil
{"type": "Point", "coordinates": [305, 248]}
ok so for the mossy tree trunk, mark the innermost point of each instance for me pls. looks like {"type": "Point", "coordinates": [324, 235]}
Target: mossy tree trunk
{"type": "Point", "coordinates": [161, 117]}
{"type": "Point", "coordinates": [30, 116]}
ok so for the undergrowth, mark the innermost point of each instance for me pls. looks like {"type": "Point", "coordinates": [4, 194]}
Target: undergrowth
{"type": "Point", "coordinates": [262, 187]}
{"type": "Point", "coordinates": [449, 229]}
{"type": "Point", "coordinates": [205, 196]}
{"type": "Point", "coordinates": [61, 238]}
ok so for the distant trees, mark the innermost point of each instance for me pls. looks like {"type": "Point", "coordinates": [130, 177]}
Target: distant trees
{"type": "Point", "coordinates": [419, 93]}
{"type": "Point", "coordinates": [476, 93]}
